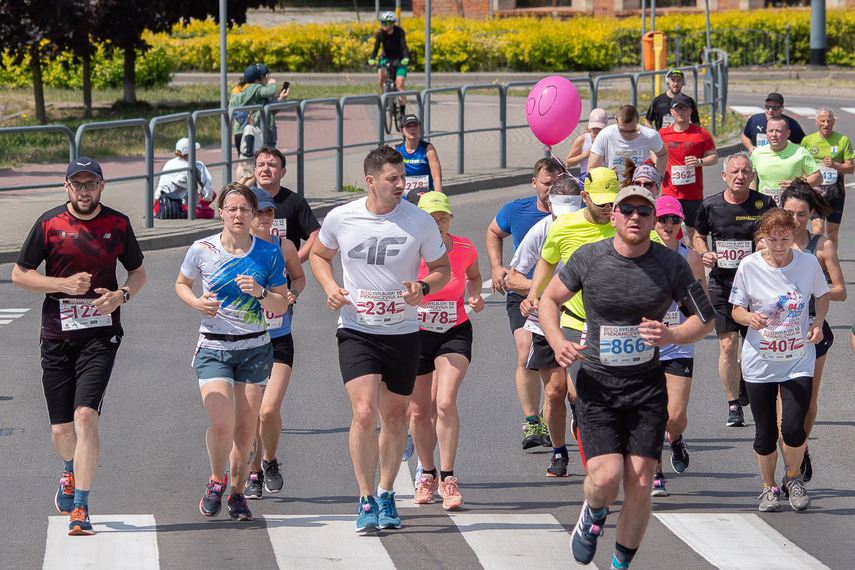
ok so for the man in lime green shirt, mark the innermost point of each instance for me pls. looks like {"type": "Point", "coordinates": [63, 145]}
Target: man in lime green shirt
{"type": "Point", "coordinates": [833, 155]}
{"type": "Point", "coordinates": [781, 161]}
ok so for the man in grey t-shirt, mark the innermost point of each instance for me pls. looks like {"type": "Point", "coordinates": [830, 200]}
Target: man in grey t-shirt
{"type": "Point", "coordinates": [627, 285]}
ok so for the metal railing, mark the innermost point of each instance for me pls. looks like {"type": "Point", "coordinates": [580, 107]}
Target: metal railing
{"type": "Point", "coordinates": [712, 75]}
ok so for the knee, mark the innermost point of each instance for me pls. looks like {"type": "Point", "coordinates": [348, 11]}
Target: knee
{"type": "Point", "coordinates": [556, 392]}
{"type": "Point", "coordinates": [446, 408]}
{"type": "Point", "coordinates": [85, 418]}
{"type": "Point", "coordinates": [62, 431]}
{"type": "Point", "coordinates": [364, 417]}
{"type": "Point", "coordinates": [605, 482]}
{"type": "Point", "coordinates": [793, 433]}
{"type": "Point", "coordinates": [677, 421]}
{"type": "Point", "coordinates": [766, 443]}
{"type": "Point", "coordinates": [268, 415]}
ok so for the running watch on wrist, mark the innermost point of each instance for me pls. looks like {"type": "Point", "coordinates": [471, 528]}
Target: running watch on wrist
{"type": "Point", "coordinates": [425, 288]}
{"type": "Point", "coordinates": [126, 295]}
{"type": "Point", "coordinates": [263, 294]}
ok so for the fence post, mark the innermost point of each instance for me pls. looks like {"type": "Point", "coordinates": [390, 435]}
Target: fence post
{"type": "Point", "coordinates": [503, 131]}
{"type": "Point", "coordinates": [678, 59]}
{"type": "Point", "coordinates": [787, 42]}
{"type": "Point", "coordinates": [339, 152]}
{"type": "Point", "coordinates": [301, 170]}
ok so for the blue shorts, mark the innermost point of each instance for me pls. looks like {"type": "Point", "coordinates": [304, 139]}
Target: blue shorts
{"type": "Point", "coordinates": [247, 366]}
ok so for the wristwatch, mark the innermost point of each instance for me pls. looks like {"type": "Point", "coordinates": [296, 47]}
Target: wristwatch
{"type": "Point", "coordinates": [126, 295]}
{"type": "Point", "coordinates": [425, 288]}
{"type": "Point", "coordinates": [295, 292]}
{"type": "Point", "coordinates": [263, 294]}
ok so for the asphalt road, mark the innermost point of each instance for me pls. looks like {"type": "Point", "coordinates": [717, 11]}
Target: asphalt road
{"type": "Point", "coordinates": [153, 462]}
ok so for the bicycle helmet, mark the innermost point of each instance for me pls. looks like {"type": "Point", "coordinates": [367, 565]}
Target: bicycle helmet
{"type": "Point", "coordinates": [388, 18]}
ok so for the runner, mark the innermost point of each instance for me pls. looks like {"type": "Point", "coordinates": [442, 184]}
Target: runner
{"type": "Point", "coordinates": [833, 154]}
{"type": "Point", "coordinates": [754, 133]}
{"type": "Point", "coordinates": [627, 139]}
{"type": "Point", "coordinates": [446, 339]}
{"type": "Point", "coordinates": [781, 161]}
{"type": "Point", "coordinates": [515, 219]}
{"type": "Point", "coordinates": [580, 150]}
{"type": "Point", "coordinates": [621, 387]}
{"type": "Point", "coordinates": [729, 218]}
{"type": "Point", "coordinates": [294, 217]}
{"type": "Point", "coordinates": [382, 241]}
{"type": "Point", "coordinates": [242, 277]}
{"type": "Point", "coordinates": [677, 360]}
{"type": "Point", "coordinates": [264, 472]}
{"type": "Point", "coordinates": [659, 113]}
{"type": "Point", "coordinates": [81, 330]}
{"type": "Point", "coordinates": [644, 175]}
{"type": "Point", "coordinates": [564, 198]}
{"type": "Point", "coordinates": [770, 293]}
{"type": "Point", "coordinates": [421, 162]}
{"type": "Point", "coordinates": [690, 147]}
{"type": "Point", "coordinates": [803, 203]}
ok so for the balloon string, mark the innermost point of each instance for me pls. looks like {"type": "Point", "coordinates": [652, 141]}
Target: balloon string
{"type": "Point", "coordinates": [548, 149]}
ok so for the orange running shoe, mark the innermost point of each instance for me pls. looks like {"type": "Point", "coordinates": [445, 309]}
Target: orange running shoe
{"type": "Point", "coordinates": [79, 524]}
{"type": "Point", "coordinates": [425, 490]}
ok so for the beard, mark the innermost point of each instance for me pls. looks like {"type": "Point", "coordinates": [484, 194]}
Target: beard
{"type": "Point", "coordinates": [631, 239]}
{"type": "Point", "coordinates": [76, 208]}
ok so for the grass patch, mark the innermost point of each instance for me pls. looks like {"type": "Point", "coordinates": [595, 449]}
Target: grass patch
{"type": "Point", "coordinates": [65, 107]}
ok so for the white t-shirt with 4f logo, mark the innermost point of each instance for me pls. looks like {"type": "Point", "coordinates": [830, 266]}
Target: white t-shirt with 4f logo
{"type": "Point", "coordinates": [378, 253]}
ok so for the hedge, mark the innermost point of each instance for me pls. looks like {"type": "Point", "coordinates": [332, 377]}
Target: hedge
{"type": "Point", "coordinates": [522, 44]}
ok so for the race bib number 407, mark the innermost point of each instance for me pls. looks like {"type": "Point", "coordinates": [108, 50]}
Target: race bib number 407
{"type": "Point", "coordinates": [782, 344]}
{"type": "Point", "coordinates": [375, 308]}
{"type": "Point", "coordinates": [621, 346]}
{"type": "Point", "coordinates": [79, 314]}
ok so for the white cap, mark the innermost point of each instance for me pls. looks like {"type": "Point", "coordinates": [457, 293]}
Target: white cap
{"type": "Point", "coordinates": [183, 146]}
{"type": "Point", "coordinates": [598, 119]}
{"type": "Point", "coordinates": [564, 204]}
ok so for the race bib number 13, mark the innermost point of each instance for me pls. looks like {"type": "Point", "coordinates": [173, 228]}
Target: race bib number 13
{"type": "Point", "coordinates": [621, 346]}
{"type": "Point", "coordinates": [379, 307]}
{"type": "Point", "coordinates": [79, 314]}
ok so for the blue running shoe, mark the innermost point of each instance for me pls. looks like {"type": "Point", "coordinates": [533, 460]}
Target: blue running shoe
{"type": "Point", "coordinates": [583, 542]}
{"type": "Point", "coordinates": [212, 500]}
{"type": "Point", "coordinates": [388, 517]}
{"type": "Point", "coordinates": [79, 524]}
{"type": "Point", "coordinates": [367, 519]}
{"type": "Point", "coordinates": [64, 499]}
{"type": "Point", "coordinates": [408, 451]}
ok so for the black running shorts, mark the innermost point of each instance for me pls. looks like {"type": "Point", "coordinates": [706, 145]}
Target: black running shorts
{"type": "Point", "coordinates": [395, 357]}
{"type": "Point", "coordinates": [283, 349]}
{"type": "Point", "coordinates": [75, 373]}
{"type": "Point", "coordinates": [622, 415]}
{"type": "Point", "coordinates": [512, 306]}
{"type": "Point", "coordinates": [682, 367]}
{"type": "Point", "coordinates": [456, 340]}
{"type": "Point", "coordinates": [540, 355]}
{"type": "Point", "coordinates": [719, 295]}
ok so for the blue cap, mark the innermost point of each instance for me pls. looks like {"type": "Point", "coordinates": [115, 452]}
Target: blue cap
{"type": "Point", "coordinates": [83, 164]}
{"type": "Point", "coordinates": [255, 72]}
{"type": "Point", "coordinates": [265, 200]}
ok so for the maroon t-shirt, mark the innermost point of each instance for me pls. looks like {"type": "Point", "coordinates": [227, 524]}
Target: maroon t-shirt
{"type": "Point", "coordinates": [69, 245]}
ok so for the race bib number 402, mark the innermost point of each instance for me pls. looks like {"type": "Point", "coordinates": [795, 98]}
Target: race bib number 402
{"type": "Point", "coordinates": [621, 346]}
{"type": "Point", "coordinates": [375, 308]}
{"type": "Point", "coordinates": [79, 314]}
{"type": "Point", "coordinates": [437, 316]}
{"type": "Point", "coordinates": [730, 252]}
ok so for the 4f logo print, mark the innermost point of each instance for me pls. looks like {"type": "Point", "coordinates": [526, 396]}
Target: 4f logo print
{"type": "Point", "coordinates": [375, 251]}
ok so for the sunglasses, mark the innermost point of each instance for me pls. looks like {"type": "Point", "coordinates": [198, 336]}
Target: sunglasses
{"type": "Point", "coordinates": [603, 206]}
{"type": "Point", "coordinates": [773, 107]}
{"type": "Point", "coordinates": [627, 210]}
{"type": "Point", "coordinates": [670, 219]}
{"type": "Point", "coordinates": [648, 185]}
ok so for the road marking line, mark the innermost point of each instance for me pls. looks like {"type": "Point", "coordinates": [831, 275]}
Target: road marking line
{"type": "Point", "coordinates": [741, 541]}
{"type": "Point", "coordinates": [850, 110]}
{"type": "Point", "coordinates": [808, 112]}
{"type": "Point", "coordinates": [15, 312]}
{"type": "Point", "coordinates": [325, 541]}
{"type": "Point", "coordinates": [513, 541]}
{"type": "Point", "coordinates": [403, 487]}
{"type": "Point", "coordinates": [746, 109]}
{"type": "Point", "coordinates": [5, 321]}
{"type": "Point", "coordinates": [120, 541]}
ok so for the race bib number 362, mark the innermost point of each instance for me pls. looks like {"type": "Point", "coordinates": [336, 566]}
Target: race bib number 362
{"type": "Point", "coordinates": [79, 314]}
{"type": "Point", "coordinates": [379, 307]}
{"type": "Point", "coordinates": [621, 346]}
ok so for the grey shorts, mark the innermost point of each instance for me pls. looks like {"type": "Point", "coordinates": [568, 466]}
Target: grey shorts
{"type": "Point", "coordinates": [247, 366]}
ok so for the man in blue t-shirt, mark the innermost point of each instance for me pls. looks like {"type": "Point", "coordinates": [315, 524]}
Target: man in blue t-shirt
{"type": "Point", "coordinates": [516, 219]}
{"type": "Point", "coordinates": [754, 133]}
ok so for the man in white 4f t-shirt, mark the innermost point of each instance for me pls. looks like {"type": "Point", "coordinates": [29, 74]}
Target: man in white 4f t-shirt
{"type": "Point", "coordinates": [382, 241]}
{"type": "Point", "coordinates": [627, 139]}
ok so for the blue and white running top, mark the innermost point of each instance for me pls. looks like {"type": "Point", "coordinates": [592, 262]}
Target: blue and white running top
{"type": "Point", "coordinates": [239, 313]}
{"type": "Point", "coordinates": [416, 167]}
{"type": "Point", "coordinates": [673, 318]}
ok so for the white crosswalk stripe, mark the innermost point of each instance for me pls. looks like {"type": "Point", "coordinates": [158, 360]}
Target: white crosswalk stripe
{"type": "Point", "coordinates": [324, 541]}
{"type": "Point", "coordinates": [9, 315]}
{"type": "Point", "coordinates": [746, 109]}
{"type": "Point", "coordinates": [850, 110]}
{"type": "Point", "coordinates": [808, 112]}
{"type": "Point", "coordinates": [734, 541]}
{"type": "Point", "coordinates": [120, 541]}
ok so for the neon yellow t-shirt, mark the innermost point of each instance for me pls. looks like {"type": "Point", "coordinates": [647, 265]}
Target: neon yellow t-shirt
{"type": "Point", "coordinates": [773, 167]}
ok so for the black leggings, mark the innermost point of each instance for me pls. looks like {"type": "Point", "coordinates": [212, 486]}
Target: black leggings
{"type": "Point", "coordinates": [795, 400]}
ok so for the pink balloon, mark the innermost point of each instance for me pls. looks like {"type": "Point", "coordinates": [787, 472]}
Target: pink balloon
{"type": "Point", "coordinates": [553, 109]}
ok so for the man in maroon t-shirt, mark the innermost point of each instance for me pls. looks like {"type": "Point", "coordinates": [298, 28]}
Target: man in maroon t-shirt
{"type": "Point", "coordinates": [690, 147]}
{"type": "Point", "coordinates": [79, 242]}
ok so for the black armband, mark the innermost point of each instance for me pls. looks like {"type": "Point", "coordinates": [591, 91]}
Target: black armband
{"type": "Point", "coordinates": [697, 302]}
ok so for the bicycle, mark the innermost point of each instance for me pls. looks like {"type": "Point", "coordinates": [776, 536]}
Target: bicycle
{"type": "Point", "coordinates": [392, 109]}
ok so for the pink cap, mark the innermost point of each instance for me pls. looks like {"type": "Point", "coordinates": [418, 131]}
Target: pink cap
{"type": "Point", "coordinates": [598, 119]}
{"type": "Point", "coordinates": [668, 205]}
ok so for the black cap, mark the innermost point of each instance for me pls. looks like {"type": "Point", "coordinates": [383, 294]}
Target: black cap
{"type": "Point", "coordinates": [681, 100]}
{"type": "Point", "coordinates": [776, 97]}
{"type": "Point", "coordinates": [410, 119]}
{"type": "Point", "coordinates": [83, 164]}
{"type": "Point", "coordinates": [674, 73]}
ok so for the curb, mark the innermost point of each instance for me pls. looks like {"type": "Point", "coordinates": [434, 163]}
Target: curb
{"type": "Point", "coordinates": [186, 237]}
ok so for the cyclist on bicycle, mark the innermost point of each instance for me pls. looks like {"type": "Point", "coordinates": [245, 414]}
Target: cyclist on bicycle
{"type": "Point", "coordinates": [394, 42]}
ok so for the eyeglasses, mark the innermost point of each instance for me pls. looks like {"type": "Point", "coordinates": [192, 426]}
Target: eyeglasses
{"type": "Point", "coordinates": [627, 210]}
{"type": "Point", "coordinates": [233, 211]}
{"type": "Point", "coordinates": [773, 107]}
{"type": "Point", "coordinates": [670, 219]}
{"type": "Point", "coordinates": [79, 186]}
{"type": "Point", "coordinates": [648, 185]}
{"type": "Point", "coordinates": [627, 132]}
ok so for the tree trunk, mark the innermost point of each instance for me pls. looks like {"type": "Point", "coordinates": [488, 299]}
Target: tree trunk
{"type": "Point", "coordinates": [38, 87]}
{"type": "Point", "coordinates": [130, 76]}
{"type": "Point", "coordinates": [87, 85]}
